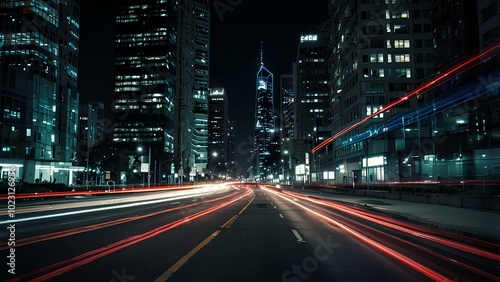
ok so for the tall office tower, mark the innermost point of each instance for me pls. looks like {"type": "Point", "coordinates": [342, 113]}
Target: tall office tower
{"type": "Point", "coordinates": [191, 135]}
{"type": "Point", "coordinates": [217, 130]}
{"type": "Point", "coordinates": [311, 89]}
{"type": "Point", "coordinates": [145, 77]}
{"type": "Point", "coordinates": [38, 89]}
{"type": "Point", "coordinates": [264, 122]}
{"type": "Point", "coordinates": [312, 85]}
{"type": "Point", "coordinates": [287, 123]}
{"type": "Point", "coordinates": [184, 122]}
{"type": "Point", "coordinates": [201, 92]}
{"type": "Point", "coordinates": [381, 50]}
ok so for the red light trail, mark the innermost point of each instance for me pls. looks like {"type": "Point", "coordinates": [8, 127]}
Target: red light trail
{"type": "Point", "coordinates": [64, 266]}
{"type": "Point", "coordinates": [402, 226]}
{"type": "Point", "coordinates": [380, 247]}
{"type": "Point", "coordinates": [83, 229]}
{"type": "Point", "coordinates": [413, 254]}
{"type": "Point", "coordinates": [35, 195]}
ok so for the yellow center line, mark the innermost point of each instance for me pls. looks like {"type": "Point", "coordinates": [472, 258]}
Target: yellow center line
{"type": "Point", "coordinates": [166, 275]}
{"type": "Point", "coordinates": [232, 219]}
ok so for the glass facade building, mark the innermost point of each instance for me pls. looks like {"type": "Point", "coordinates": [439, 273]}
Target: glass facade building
{"type": "Point", "coordinates": [201, 92]}
{"type": "Point", "coordinates": [264, 121]}
{"type": "Point", "coordinates": [161, 81]}
{"type": "Point", "coordinates": [396, 116]}
{"type": "Point", "coordinates": [381, 50]}
{"type": "Point", "coordinates": [39, 43]}
{"type": "Point", "coordinates": [145, 75]}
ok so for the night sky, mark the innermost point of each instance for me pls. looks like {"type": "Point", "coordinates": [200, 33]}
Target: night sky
{"type": "Point", "coordinates": [234, 57]}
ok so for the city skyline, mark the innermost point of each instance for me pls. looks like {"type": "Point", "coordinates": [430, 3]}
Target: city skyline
{"type": "Point", "coordinates": [250, 140]}
{"type": "Point", "coordinates": [233, 34]}
{"type": "Point", "coordinates": [372, 65]}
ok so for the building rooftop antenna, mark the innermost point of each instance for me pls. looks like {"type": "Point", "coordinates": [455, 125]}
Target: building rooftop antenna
{"type": "Point", "coordinates": [261, 54]}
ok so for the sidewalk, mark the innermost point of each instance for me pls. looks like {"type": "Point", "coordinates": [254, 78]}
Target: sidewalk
{"type": "Point", "coordinates": [474, 223]}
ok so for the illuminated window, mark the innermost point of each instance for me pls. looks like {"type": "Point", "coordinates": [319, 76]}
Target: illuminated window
{"type": "Point", "coordinates": [379, 72]}
{"type": "Point", "coordinates": [402, 58]}
{"type": "Point", "coordinates": [376, 58]}
{"type": "Point", "coordinates": [401, 43]}
{"type": "Point", "coordinates": [371, 109]}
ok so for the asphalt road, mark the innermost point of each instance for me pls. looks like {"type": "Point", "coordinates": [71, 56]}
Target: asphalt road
{"type": "Point", "coordinates": [233, 233]}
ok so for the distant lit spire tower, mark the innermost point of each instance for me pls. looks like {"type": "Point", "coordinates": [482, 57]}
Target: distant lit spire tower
{"type": "Point", "coordinates": [264, 118]}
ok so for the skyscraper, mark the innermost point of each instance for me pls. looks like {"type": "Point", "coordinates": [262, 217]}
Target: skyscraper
{"type": "Point", "coordinates": [375, 60]}
{"type": "Point", "coordinates": [201, 92]}
{"type": "Point", "coordinates": [38, 89]}
{"type": "Point", "coordinates": [218, 128]}
{"type": "Point", "coordinates": [145, 76]}
{"type": "Point", "coordinates": [191, 99]}
{"type": "Point", "coordinates": [162, 81]}
{"type": "Point", "coordinates": [264, 121]}
{"type": "Point", "coordinates": [184, 121]}
{"type": "Point", "coordinates": [312, 93]}
{"type": "Point", "coordinates": [312, 86]}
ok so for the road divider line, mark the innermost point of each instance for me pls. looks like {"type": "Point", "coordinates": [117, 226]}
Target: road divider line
{"type": "Point", "coordinates": [166, 275]}
{"type": "Point", "coordinates": [68, 264]}
{"type": "Point", "coordinates": [229, 222]}
{"type": "Point", "coordinates": [299, 238]}
{"type": "Point", "coordinates": [434, 275]}
{"type": "Point", "coordinates": [232, 219]}
{"type": "Point", "coordinates": [281, 215]}
{"type": "Point", "coordinates": [245, 207]}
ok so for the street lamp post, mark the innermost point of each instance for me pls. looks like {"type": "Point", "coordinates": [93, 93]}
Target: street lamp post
{"type": "Point", "coordinates": [149, 164]}
{"type": "Point", "coordinates": [214, 154]}
{"type": "Point", "coordinates": [213, 171]}
{"type": "Point", "coordinates": [282, 169]}
{"type": "Point", "coordinates": [149, 167]}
